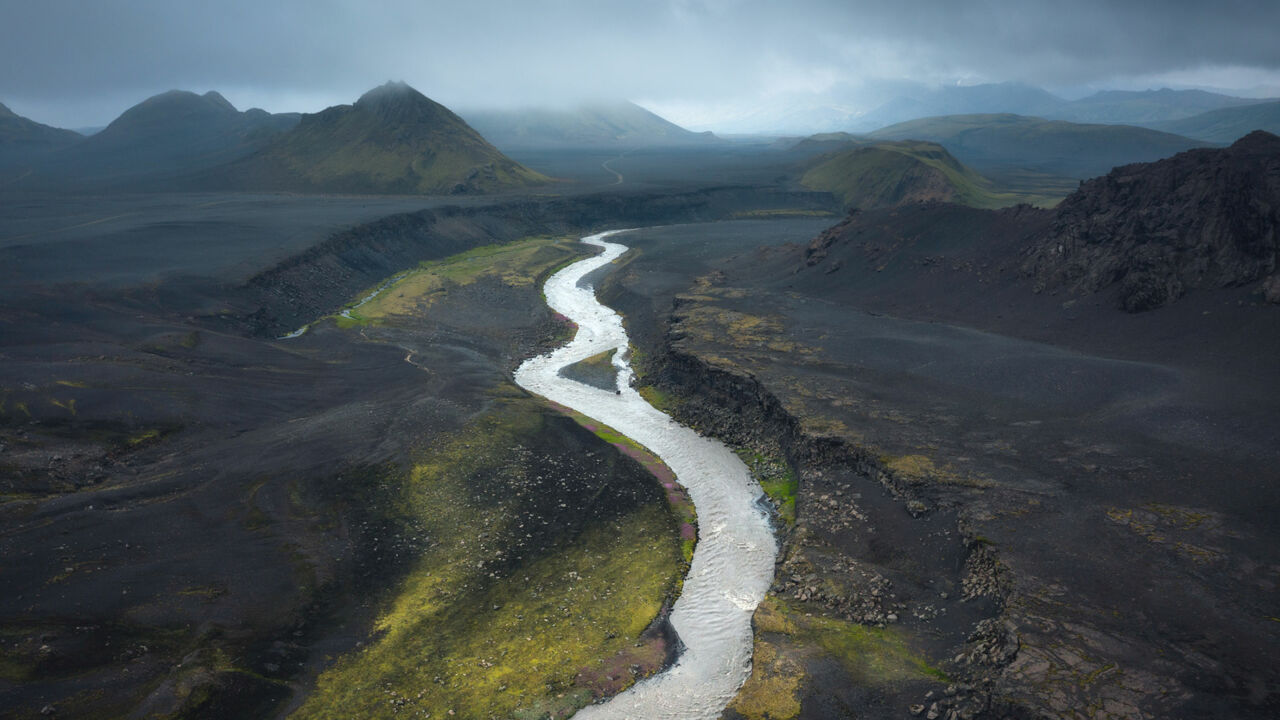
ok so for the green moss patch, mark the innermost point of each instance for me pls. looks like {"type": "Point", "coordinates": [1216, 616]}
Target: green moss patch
{"type": "Point", "coordinates": [520, 263]}
{"type": "Point", "coordinates": [777, 480]}
{"type": "Point", "coordinates": [787, 641]}
{"type": "Point", "coordinates": [539, 585]}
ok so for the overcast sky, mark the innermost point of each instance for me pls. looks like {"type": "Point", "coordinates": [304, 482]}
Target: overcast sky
{"type": "Point", "coordinates": [76, 63]}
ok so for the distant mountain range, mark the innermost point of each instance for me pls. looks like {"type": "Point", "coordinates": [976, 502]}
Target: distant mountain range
{"type": "Point", "coordinates": [169, 136]}
{"type": "Point", "coordinates": [960, 100]}
{"type": "Point", "coordinates": [1145, 107]}
{"type": "Point", "coordinates": [844, 109]}
{"type": "Point", "coordinates": [1003, 141]}
{"type": "Point", "coordinates": [392, 140]}
{"type": "Point", "coordinates": [621, 125]}
{"type": "Point", "coordinates": [1227, 124]}
{"type": "Point", "coordinates": [396, 140]}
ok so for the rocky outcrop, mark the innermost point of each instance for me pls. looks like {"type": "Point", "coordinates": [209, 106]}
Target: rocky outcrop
{"type": "Point", "coordinates": [1271, 289]}
{"type": "Point", "coordinates": [1203, 219]}
{"type": "Point", "coordinates": [1148, 233]}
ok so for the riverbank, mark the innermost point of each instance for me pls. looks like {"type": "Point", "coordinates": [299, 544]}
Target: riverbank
{"type": "Point", "coordinates": [981, 496]}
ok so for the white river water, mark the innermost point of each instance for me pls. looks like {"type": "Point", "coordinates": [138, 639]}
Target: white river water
{"type": "Point", "coordinates": [733, 562]}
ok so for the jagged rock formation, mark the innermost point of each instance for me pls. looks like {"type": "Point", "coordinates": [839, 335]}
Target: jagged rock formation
{"type": "Point", "coordinates": [1203, 219]}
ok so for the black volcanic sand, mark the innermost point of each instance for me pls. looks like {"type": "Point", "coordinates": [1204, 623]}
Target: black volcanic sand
{"type": "Point", "coordinates": [119, 240]}
{"type": "Point", "coordinates": [195, 522]}
{"type": "Point", "coordinates": [1095, 492]}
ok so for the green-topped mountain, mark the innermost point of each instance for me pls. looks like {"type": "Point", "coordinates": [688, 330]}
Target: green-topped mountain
{"type": "Point", "coordinates": [886, 174]}
{"type": "Point", "coordinates": [392, 140]}
{"type": "Point", "coordinates": [608, 125]}
{"type": "Point", "coordinates": [1053, 147]}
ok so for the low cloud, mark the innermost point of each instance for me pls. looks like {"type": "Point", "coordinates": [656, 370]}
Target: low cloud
{"type": "Point", "coordinates": [75, 63]}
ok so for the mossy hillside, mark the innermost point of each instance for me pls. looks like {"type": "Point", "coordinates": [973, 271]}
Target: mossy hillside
{"type": "Point", "coordinates": [392, 140]}
{"type": "Point", "coordinates": [540, 573]}
{"type": "Point", "coordinates": [789, 640]}
{"type": "Point", "coordinates": [893, 173]}
{"type": "Point", "coordinates": [522, 263]}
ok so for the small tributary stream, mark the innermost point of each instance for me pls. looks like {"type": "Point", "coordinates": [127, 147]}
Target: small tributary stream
{"type": "Point", "coordinates": [733, 562]}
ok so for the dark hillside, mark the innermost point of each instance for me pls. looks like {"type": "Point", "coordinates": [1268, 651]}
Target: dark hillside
{"type": "Point", "coordinates": [17, 131]}
{"type": "Point", "coordinates": [165, 137]}
{"type": "Point", "coordinates": [1204, 219]}
{"type": "Point", "coordinates": [24, 141]}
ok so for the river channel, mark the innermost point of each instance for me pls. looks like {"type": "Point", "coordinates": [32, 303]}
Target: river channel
{"type": "Point", "coordinates": [734, 560]}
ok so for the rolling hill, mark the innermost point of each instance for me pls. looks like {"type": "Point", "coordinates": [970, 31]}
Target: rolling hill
{"type": "Point", "coordinates": [621, 125]}
{"type": "Point", "coordinates": [1227, 125]}
{"type": "Point", "coordinates": [1007, 97]}
{"type": "Point", "coordinates": [1054, 147]}
{"type": "Point", "coordinates": [817, 143]}
{"type": "Point", "coordinates": [887, 174]}
{"type": "Point", "coordinates": [863, 109]}
{"type": "Point", "coordinates": [19, 132]}
{"type": "Point", "coordinates": [392, 140]}
{"type": "Point", "coordinates": [1143, 107]}
{"type": "Point", "coordinates": [24, 142]}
